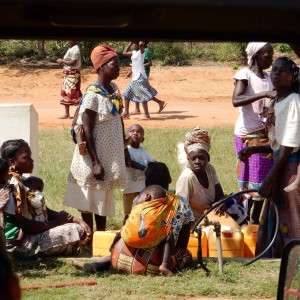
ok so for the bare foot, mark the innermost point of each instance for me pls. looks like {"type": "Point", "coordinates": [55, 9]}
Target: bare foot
{"type": "Point", "coordinates": [65, 117]}
{"type": "Point", "coordinates": [82, 266]}
{"type": "Point", "coordinates": [162, 105]}
{"type": "Point", "coordinates": [293, 186]}
{"type": "Point", "coordinates": [165, 270]}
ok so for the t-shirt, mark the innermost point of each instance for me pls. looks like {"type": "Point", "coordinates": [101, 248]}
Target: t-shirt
{"type": "Point", "coordinates": [137, 61]}
{"type": "Point", "coordinates": [147, 59]}
{"type": "Point", "coordinates": [73, 53]}
{"type": "Point", "coordinates": [199, 198]}
{"type": "Point", "coordinates": [135, 179]}
{"type": "Point", "coordinates": [249, 120]}
{"type": "Point", "coordinates": [287, 123]}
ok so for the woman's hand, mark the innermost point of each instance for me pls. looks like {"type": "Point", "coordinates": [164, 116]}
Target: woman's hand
{"type": "Point", "coordinates": [84, 226]}
{"type": "Point", "coordinates": [60, 61]}
{"type": "Point", "coordinates": [265, 189]}
{"type": "Point", "coordinates": [271, 94]}
{"type": "Point", "coordinates": [245, 153]}
{"type": "Point", "coordinates": [98, 171]}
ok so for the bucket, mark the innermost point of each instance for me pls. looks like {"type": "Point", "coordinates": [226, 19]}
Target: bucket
{"type": "Point", "coordinates": [193, 244]}
{"type": "Point", "coordinates": [232, 242]}
{"type": "Point", "coordinates": [250, 235]}
{"type": "Point", "coordinates": [102, 241]}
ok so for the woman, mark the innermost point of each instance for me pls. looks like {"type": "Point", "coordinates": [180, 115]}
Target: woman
{"type": "Point", "coordinates": [253, 89]}
{"type": "Point", "coordinates": [284, 138]}
{"type": "Point", "coordinates": [94, 176]}
{"type": "Point", "coordinates": [70, 89]}
{"type": "Point", "coordinates": [129, 260]}
{"type": "Point", "coordinates": [59, 234]}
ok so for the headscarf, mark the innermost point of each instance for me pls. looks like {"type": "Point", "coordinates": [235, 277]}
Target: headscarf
{"type": "Point", "coordinates": [101, 55]}
{"type": "Point", "coordinates": [252, 49]}
{"type": "Point", "coordinates": [197, 139]}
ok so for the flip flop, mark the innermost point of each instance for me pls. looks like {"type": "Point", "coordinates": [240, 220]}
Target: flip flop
{"type": "Point", "coordinates": [125, 117]}
{"type": "Point", "coordinates": [145, 118]}
{"type": "Point", "coordinates": [162, 108]}
{"type": "Point", "coordinates": [135, 113]}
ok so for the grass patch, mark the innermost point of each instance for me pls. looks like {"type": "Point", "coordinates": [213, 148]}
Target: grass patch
{"type": "Point", "coordinates": [55, 155]}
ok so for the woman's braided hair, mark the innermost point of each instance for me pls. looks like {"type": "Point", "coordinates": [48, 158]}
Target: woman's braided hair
{"type": "Point", "coordinates": [11, 148]}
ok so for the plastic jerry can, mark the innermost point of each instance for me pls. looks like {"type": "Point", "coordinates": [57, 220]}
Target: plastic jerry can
{"type": "Point", "coordinates": [232, 242]}
{"type": "Point", "coordinates": [193, 244]}
{"type": "Point", "coordinates": [102, 241]}
{"type": "Point", "coordinates": [250, 235]}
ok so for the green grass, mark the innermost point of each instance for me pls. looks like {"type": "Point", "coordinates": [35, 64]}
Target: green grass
{"type": "Point", "coordinates": [56, 150]}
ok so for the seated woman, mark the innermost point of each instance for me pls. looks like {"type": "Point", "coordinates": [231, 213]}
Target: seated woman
{"type": "Point", "coordinates": [58, 234]}
{"type": "Point", "coordinates": [199, 182]}
{"type": "Point", "coordinates": [130, 260]}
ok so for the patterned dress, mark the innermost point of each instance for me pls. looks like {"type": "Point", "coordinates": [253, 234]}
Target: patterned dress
{"type": "Point", "coordinates": [84, 191]}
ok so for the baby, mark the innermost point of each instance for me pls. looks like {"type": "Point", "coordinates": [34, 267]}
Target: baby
{"type": "Point", "coordinates": [167, 246]}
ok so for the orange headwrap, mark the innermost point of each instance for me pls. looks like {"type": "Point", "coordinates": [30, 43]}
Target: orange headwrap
{"type": "Point", "coordinates": [101, 55]}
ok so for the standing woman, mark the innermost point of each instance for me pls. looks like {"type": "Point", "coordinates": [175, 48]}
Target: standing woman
{"type": "Point", "coordinates": [252, 92]}
{"type": "Point", "coordinates": [94, 176]}
{"type": "Point", "coordinates": [70, 89]}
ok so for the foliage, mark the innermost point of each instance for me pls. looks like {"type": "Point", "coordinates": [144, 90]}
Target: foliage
{"type": "Point", "coordinates": [166, 53]}
{"type": "Point", "coordinates": [282, 47]}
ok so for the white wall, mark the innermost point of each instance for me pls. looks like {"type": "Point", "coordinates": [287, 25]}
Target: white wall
{"type": "Point", "coordinates": [20, 121]}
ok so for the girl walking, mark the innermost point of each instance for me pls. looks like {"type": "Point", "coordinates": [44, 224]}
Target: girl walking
{"type": "Point", "coordinates": [139, 89]}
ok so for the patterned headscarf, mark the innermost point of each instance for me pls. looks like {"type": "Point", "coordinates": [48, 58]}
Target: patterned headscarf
{"type": "Point", "coordinates": [101, 55]}
{"type": "Point", "coordinates": [197, 139]}
{"type": "Point", "coordinates": [252, 49]}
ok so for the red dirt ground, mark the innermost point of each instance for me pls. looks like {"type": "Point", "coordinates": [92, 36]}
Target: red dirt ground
{"type": "Point", "coordinates": [195, 95]}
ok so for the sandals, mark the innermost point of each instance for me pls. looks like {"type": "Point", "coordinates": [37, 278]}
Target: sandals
{"type": "Point", "coordinates": [125, 117]}
{"type": "Point", "coordinates": [161, 108]}
{"type": "Point", "coordinates": [145, 118]}
{"type": "Point", "coordinates": [135, 113]}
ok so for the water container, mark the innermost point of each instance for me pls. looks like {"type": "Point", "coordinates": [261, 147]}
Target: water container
{"type": "Point", "coordinates": [102, 241]}
{"type": "Point", "coordinates": [250, 235]}
{"type": "Point", "coordinates": [232, 242]}
{"type": "Point", "coordinates": [193, 244]}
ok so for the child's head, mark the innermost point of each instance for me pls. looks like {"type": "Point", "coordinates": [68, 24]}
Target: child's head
{"type": "Point", "coordinates": [34, 183]}
{"type": "Point", "coordinates": [151, 192]}
{"type": "Point", "coordinates": [136, 133]}
{"type": "Point", "coordinates": [157, 173]}
{"type": "Point", "coordinates": [18, 154]}
{"type": "Point", "coordinates": [4, 167]}
{"type": "Point", "coordinates": [284, 74]}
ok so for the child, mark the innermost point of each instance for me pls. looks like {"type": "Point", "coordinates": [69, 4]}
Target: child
{"type": "Point", "coordinates": [147, 65]}
{"type": "Point", "coordinates": [139, 89]}
{"type": "Point", "coordinates": [135, 178]}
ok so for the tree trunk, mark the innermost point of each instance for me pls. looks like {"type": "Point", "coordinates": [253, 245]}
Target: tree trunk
{"type": "Point", "coordinates": [41, 49]}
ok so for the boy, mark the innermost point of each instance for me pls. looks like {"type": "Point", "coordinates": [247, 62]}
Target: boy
{"type": "Point", "coordinates": [135, 178]}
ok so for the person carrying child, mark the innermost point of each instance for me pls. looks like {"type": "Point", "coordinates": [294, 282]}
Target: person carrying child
{"type": "Point", "coordinates": [139, 89]}
{"type": "Point", "coordinates": [153, 260]}
{"type": "Point", "coordinates": [59, 234]}
{"type": "Point", "coordinates": [135, 177]}
{"type": "Point", "coordinates": [284, 136]}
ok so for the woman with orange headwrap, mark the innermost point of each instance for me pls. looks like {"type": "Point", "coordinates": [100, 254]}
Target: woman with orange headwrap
{"type": "Point", "coordinates": [94, 176]}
